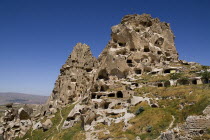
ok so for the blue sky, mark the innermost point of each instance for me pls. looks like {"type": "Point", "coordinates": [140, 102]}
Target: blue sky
{"type": "Point", "coordinates": [36, 36]}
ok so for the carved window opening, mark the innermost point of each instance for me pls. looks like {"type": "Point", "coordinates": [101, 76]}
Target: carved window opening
{"type": "Point", "coordinates": [103, 74]}
{"type": "Point", "coordinates": [122, 44]}
{"type": "Point", "coordinates": [99, 96]}
{"type": "Point", "coordinates": [146, 49]}
{"type": "Point", "coordinates": [194, 82]}
{"type": "Point", "coordinates": [133, 49]}
{"type": "Point", "coordinates": [129, 61]}
{"type": "Point", "coordinates": [119, 94]}
{"type": "Point", "coordinates": [170, 71]}
{"type": "Point", "coordinates": [96, 106]}
{"type": "Point", "coordinates": [138, 71]}
{"type": "Point", "coordinates": [73, 80]}
{"type": "Point", "coordinates": [137, 30]}
{"type": "Point", "coordinates": [111, 95]}
{"type": "Point", "coordinates": [160, 85]}
{"type": "Point", "coordinates": [159, 52]}
{"type": "Point", "coordinates": [69, 87]}
{"type": "Point", "coordinates": [168, 59]}
{"type": "Point", "coordinates": [135, 84]}
{"type": "Point", "coordinates": [93, 96]}
{"type": "Point", "coordinates": [89, 70]}
{"type": "Point", "coordinates": [159, 42]}
{"type": "Point", "coordinates": [106, 105]}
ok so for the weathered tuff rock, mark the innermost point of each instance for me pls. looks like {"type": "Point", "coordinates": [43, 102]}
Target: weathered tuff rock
{"type": "Point", "coordinates": [76, 77]}
{"type": "Point", "coordinates": [138, 44]}
{"type": "Point", "coordinates": [16, 122]}
{"type": "Point", "coordinates": [47, 124]}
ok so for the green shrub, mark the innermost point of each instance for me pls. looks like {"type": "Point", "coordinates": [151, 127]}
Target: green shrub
{"type": "Point", "coordinates": [175, 76]}
{"type": "Point", "coordinates": [208, 131]}
{"type": "Point", "coordinates": [140, 110]}
{"type": "Point", "coordinates": [205, 74]}
{"type": "Point", "coordinates": [149, 129]}
{"type": "Point", "coordinates": [183, 81]}
{"type": "Point", "coordinates": [205, 67]}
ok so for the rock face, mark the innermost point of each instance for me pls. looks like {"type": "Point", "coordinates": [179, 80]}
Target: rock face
{"type": "Point", "coordinates": [47, 124]}
{"type": "Point", "coordinates": [16, 122]}
{"type": "Point", "coordinates": [76, 77]}
{"type": "Point", "coordinates": [138, 44]}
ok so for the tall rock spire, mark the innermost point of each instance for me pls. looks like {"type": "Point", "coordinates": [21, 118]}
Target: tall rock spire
{"type": "Point", "coordinates": [76, 76]}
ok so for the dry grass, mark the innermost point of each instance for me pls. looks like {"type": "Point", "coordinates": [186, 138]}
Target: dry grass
{"type": "Point", "coordinates": [156, 118]}
{"type": "Point", "coordinates": [194, 99]}
{"type": "Point", "coordinates": [153, 78]}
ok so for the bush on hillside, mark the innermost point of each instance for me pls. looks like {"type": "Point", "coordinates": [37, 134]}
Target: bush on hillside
{"type": "Point", "coordinates": [149, 129]}
{"type": "Point", "coordinates": [140, 110]}
{"type": "Point", "coordinates": [183, 81]}
{"type": "Point", "coordinates": [205, 75]}
{"type": "Point", "coordinates": [175, 76]}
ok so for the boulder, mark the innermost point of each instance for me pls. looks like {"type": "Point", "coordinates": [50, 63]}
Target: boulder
{"type": "Point", "coordinates": [10, 115]}
{"type": "Point", "coordinates": [23, 114]}
{"type": "Point", "coordinates": [25, 125]}
{"type": "Point", "coordinates": [47, 124]}
{"type": "Point", "coordinates": [53, 110]}
{"type": "Point", "coordinates": [136, 100]}
{"type": "Point", "coordinates": [169, 135]}
{"type": "Point", "coordinates": [90, 116]}
{"type": "Point", "coordinates": [38, 125]}
{"type": "Point", "coordinates": [138, 138]}
{"type": "Point", "coordinates": [207, 111]}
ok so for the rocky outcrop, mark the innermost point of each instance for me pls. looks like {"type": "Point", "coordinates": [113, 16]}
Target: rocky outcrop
{"type": "Point", "coordinates": [16, 122]}
{"type": "Point", "coordinates": [193, 127]}
{"type": "Point", "coordinates": [139, 44]}
{"type": "Point", "coordinates": [76, 77]}
{"type": "Point", "coordinates": [196, 125]}
{"type": "Point", "coordinates": [47, 124]}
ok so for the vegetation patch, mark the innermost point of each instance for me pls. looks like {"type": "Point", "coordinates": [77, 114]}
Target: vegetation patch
{"type": "Point", "coordinates": [150, 123]}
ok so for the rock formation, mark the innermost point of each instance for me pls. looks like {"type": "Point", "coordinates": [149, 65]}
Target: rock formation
{"type": "Point", "coordinates": [76, 77]}
{"type": "Point", "coordinates": [138, 44]}
{"type": "Point", "coordinates": [105, 91]}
